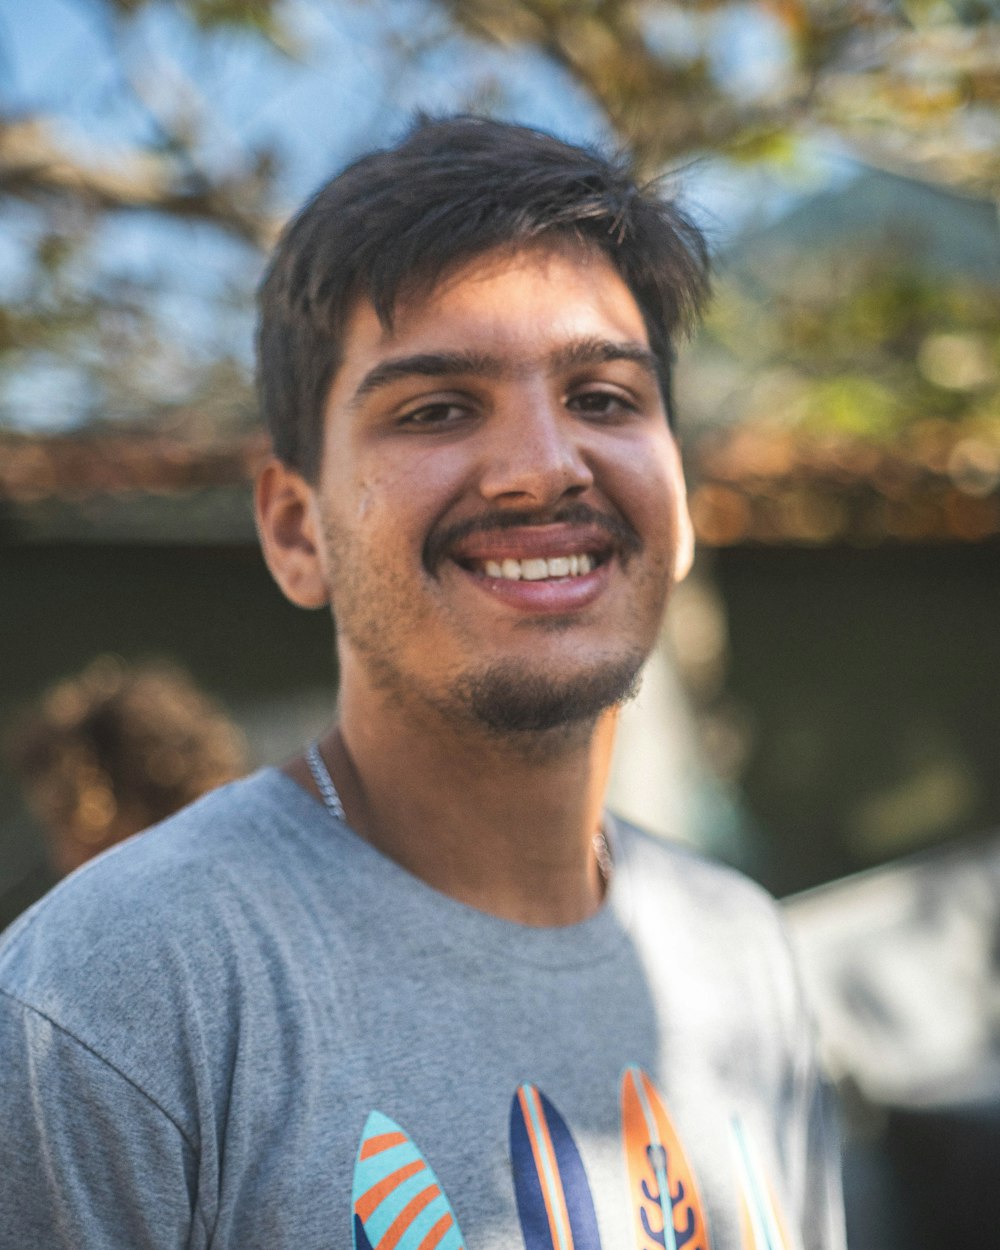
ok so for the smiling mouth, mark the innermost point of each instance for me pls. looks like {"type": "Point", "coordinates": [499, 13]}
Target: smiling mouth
{"type": "Point", "coordinates": [547, 571]}
{"type": "Point", "coordinates": [542, 556]}
{"type": "Point", "coordinates": [503, 548]}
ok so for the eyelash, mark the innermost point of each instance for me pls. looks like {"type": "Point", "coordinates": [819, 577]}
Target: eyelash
{"type": "Point", "coordinates": [594, 404]}
{"type": "Point", "coordinates": [423, 415]}
{"type": "Point", "coordinates": [613, 400]}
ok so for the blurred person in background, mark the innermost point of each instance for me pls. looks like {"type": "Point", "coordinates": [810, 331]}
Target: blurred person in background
{"type": "Point", "coordinates": [108, 752]}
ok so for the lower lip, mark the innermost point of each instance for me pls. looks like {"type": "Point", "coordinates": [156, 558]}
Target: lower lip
{"type": "Point", "coordinates": [548, 596]}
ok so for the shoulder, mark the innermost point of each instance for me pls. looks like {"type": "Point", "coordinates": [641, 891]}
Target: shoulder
{"type": "Point", "coordinates": [122, 954]}
{"type": "Point", "coordinates": [166, 867]}
{"type": "Point", "coordinates": [712, 921]}
{"type": "Point", "coordinates": [695, 882]}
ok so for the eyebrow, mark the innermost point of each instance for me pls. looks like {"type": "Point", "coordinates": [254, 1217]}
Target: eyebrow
{"type": "Point", "coordinates": [586, 351]}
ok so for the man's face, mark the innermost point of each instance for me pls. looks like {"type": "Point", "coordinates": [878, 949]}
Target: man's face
{"type": "Point", "coordinates": [500, 494]}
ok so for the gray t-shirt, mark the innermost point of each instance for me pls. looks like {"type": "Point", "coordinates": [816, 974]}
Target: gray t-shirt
{"type": "Point", "coordinates": [248, 1029]}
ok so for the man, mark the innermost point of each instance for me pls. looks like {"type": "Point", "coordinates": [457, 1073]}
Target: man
{"type": "Point", "coordinates": [417, 989]}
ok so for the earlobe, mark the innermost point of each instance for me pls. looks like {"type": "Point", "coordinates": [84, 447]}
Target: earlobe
{"type": "Point", "coordinates": [290, 534]}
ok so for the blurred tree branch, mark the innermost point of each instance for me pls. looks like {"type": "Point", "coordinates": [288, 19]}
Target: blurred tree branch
{"type": "Point", "coordinates": [914, 85]}
{"type": "Point", "coordinates": [909, 85]}
{"type": "Point", "coordinates": [166, 175]}
{"type": "Point", "coordinates": [33, 164]}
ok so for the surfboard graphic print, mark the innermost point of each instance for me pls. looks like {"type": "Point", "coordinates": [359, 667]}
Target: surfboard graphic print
{"type": "Point", "coordinates": [665, 1204]}
{"type": "Point", "coordinates": [763, 1228]}
{"type": "Point", "coordinates": [554, 1201]}
{"type": "Point", "coordinates": [396, 1200]}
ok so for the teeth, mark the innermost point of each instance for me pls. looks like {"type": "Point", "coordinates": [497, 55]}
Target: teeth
{"type": "Point", "coordinates": [537, 570]}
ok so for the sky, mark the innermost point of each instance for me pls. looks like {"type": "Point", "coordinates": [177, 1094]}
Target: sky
{"type": "Point", "coordinates": [347, 79]}
{"type": "Point", "coordinates": [344, 82]}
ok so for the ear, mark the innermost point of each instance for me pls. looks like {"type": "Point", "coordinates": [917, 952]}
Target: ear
{"type": "Point", "coordinates": [684, 555]}
{"type": "Point", "coordinates": [683, 525]}
{"type": "Point", "coordinates": [290, 533]}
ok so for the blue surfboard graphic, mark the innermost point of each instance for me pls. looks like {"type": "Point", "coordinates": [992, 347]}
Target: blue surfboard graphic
{"type": "Point", "coordinates": [554, 1201]}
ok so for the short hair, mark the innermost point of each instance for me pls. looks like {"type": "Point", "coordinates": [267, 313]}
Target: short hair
{"type": "Point", "coordinates": [392, 223]}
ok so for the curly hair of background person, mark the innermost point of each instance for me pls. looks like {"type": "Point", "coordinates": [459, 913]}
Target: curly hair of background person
{"type": "Point", "coordinates": [119, 746]}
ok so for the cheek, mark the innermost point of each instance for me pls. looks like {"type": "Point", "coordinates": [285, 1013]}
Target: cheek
{"type": "Point", "coordinates": [373, 499]}
{"type": "Point", "coordinates": [368, 498]}
{"type": "Point", "coordinates": [407, 473]}
{"type": "Point", "coordinates": [431, 479]}
{"type": "Point", "coordinates": [391, 516]}
{"type": "Point", "coordinates": [649, 491]}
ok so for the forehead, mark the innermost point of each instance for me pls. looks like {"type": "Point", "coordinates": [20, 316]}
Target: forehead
{"type": "Point", "coordinates": [523, 301]}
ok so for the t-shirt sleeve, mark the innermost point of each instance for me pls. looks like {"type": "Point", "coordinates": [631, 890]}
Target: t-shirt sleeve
{"type": "Point", "coordinates": [824, 1199]}
{"type": "Point", "coordinates": [87, 1159]}
{"type": "Point", "coordinates": [823, 1225]}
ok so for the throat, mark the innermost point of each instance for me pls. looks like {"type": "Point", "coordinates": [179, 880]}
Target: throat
{"type": "Point", "coordinates": [507, 834]}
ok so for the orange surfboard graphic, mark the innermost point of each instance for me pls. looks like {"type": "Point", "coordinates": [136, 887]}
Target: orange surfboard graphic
{"type": "Point", "coordinates": [666, 1207]}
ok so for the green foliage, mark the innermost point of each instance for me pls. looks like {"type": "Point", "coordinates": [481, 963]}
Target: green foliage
{"type": "Point", "coordinates": [259, 15]}
{"type": "Point", "coordinates": [864, 344]}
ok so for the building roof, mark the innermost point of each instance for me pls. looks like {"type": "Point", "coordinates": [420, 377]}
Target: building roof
{"type": "Point", "coordinates": [125, 487]}
{"type": "Point", "coordinates": [939, 484]}
{"type": "Point", "coordinates": [749, 485]}
{"type": "Point", "coordinates": [951, 232]}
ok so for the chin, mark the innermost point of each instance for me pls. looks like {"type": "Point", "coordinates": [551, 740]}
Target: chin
{"type": "Point", "coordinates": [512, 700]}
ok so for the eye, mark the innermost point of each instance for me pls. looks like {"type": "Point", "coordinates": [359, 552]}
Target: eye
{"type": "Point", "coordinates": [603, 404]}
{"type": "Point", "coordinates": [435, 415]}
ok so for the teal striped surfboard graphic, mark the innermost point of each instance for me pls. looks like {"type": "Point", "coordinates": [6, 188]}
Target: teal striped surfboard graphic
{"type": "Point", "coordinates": [761, 1222]}
{"type": "Point", "coordinates": [397, 1202]}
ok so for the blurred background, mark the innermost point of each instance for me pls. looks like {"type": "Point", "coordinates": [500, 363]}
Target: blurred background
{"type": "Point", "coordinates": [823, 710]}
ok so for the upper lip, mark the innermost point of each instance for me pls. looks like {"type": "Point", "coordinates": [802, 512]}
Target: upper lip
{"type": "Point", "coordinates": [575, 530]}
{"type": "Point", "coordinates": [526, 542]}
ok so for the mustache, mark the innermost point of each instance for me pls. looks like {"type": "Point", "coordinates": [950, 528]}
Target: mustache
{"type": "Point", "coordinates": [440, 541]}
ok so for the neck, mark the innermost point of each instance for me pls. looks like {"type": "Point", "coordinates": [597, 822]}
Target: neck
{"type": "Point", "coordinates": [503, 824]}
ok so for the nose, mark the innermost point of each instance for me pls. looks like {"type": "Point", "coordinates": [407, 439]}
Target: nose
{"type": "Point", "coordinates": [535, 456]}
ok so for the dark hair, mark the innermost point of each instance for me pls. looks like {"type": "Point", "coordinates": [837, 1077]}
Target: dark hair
{"type": "Point", "coordinates": [394, 221]}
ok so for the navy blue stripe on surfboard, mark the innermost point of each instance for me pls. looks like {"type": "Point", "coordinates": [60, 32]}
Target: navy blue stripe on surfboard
{"type": "Point", "coordinates": [563, 1171]}
{"type": "Point", "coordinates": [361, 1241]}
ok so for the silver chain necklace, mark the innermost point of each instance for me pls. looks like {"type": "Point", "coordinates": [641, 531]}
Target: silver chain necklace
{"type": "Point", "coordinates": [332, 803]}
{"type": "Point", "coordinates": [324, 783]}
